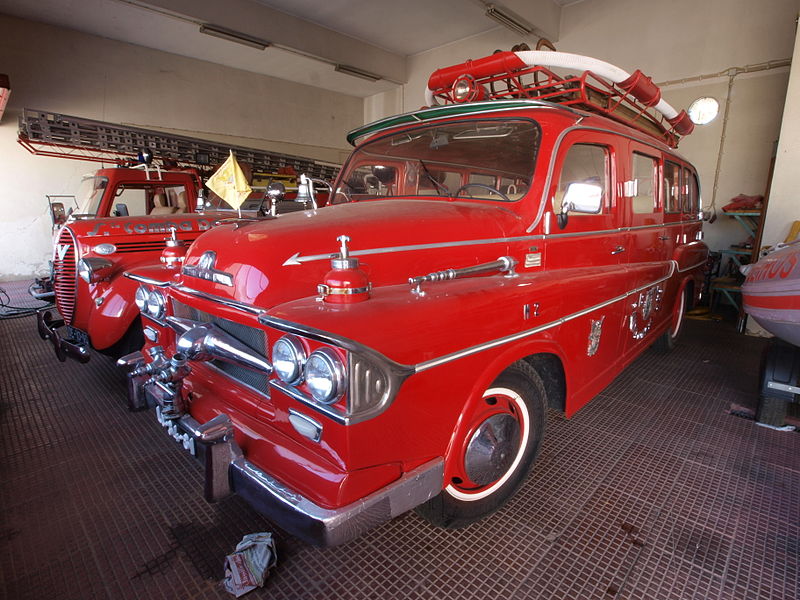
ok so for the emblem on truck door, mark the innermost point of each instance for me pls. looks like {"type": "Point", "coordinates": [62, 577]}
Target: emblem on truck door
{"type": "Point", "coordinates": [641, 319]}
{"type": "Point", "coordinates": [595, 332]}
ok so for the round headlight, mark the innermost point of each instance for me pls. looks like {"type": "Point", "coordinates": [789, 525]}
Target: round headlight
{"type": "Point", "coordinates": [324, 374]}
{"type": "Point", "coordinates": [156, 305]}
{"type": "Point", "coordinates": [84, 271]}
{"type": "Point", "coordinates": [141, 297]}
{"type": "Point", "coordinates": [288, 359]}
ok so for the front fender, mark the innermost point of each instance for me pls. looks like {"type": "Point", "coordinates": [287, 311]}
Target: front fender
{"type": "Point", "coordinates": [114, 310]}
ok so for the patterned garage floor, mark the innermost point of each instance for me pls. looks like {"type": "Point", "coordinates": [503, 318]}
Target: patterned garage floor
{"type": "Point", "coordinates": [652, 491]}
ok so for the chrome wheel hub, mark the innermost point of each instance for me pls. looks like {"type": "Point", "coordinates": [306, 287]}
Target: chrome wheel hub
{"type": "Point", "coordinates": [492, 449]}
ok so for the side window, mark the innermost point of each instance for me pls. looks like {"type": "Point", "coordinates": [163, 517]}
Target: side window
{"type": "Point", "coordinates": [645, 176]}
{"type": "Point", "coordinates": [672, 187]}
{"type": "Point", "coordinates": [585, 164]}
{"type": "Point", "coordinates": [692, 199]}
{"type": "Point", "coordinates": [129, 200]}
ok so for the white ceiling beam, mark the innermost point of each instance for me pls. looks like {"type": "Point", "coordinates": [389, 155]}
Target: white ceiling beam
{"type": "Point", "coordinates": [286, 31]}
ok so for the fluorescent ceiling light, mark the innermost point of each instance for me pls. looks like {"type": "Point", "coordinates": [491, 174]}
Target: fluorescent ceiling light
{"type": "Point", "coordinates": [508, 19]}
{"type": "Point", "coordinates": [234, 36]}
{"type": "Point", "coordinates": [348, 70]}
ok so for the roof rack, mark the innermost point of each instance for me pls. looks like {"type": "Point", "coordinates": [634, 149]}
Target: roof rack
{"type": "Point", "coordinates": [603, 89]}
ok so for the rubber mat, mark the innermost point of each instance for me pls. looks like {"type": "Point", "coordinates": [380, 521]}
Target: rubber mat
{"type": "Point", "coordinates": [651, 491]}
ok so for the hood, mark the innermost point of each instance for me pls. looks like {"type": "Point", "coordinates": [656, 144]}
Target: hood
{"type": "Point", "coordinates": [277, 260]}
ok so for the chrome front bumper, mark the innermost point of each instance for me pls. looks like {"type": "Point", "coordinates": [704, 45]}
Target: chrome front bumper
{"type": "Point", "coordinates": [227, 471]}
{"type": "Point", "coordinates": [48, 330]}
{"type": "Point", "coordinates": [42, 289]}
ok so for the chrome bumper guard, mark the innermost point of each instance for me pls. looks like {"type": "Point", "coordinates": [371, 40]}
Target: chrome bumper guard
{"type": "Point", "coordinates": [48, 330]}
{"type": "Point", "coordinates": [227, 471]}
{"type": "Point", "coordinates": [39, 290]}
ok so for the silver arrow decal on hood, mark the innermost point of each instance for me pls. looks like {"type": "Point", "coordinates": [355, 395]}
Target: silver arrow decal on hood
{"type": "Point", "coordinates": [298, 259]}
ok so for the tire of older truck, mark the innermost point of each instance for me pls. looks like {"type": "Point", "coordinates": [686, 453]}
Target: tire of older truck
{"type": "Point", "coordinates": [666, 342]}
{"type": "Point", "coordinates": [493, 458]}
{"type": "Point", "coordinates": [132, 341]}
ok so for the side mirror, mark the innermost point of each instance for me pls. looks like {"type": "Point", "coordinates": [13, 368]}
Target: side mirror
{"type": "Point", "coordinates": [57, 214]}
{"type": "Point", "coordinates": [584, 198]}
{"type": "Point", "coordinates": [122, 210]}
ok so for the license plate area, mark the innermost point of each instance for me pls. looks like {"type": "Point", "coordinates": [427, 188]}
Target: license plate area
{"type": "Point", "coordinates": [175, 432]}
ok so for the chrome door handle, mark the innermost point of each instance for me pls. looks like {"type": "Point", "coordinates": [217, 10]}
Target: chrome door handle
{"type": "Point", "coordinates": [664, 238]}
{"type": "Point", "coordinates": [618, 250]}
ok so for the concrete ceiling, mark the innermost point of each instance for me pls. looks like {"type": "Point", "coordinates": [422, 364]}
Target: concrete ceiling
{"type": "Point", "coordinates": [308, 37]}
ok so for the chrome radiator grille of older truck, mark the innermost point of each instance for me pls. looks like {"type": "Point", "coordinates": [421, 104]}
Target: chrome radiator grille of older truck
{"type": "Point", "coordinates": [252, 337]}
{"type": "Point", "coordinates": [65, 274]}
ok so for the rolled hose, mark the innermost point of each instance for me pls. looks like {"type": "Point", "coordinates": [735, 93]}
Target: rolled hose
{"type": "Point", "coordinates": [546, 58]}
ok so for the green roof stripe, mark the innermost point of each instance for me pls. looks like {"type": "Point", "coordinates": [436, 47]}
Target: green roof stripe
{"type": "Point", "coordinates": [437, 113]}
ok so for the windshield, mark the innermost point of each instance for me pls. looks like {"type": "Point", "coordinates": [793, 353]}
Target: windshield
{"type": "Point", "coordinates": [488, 160]}
{"type": "Point", "coordinates": [90, 193]}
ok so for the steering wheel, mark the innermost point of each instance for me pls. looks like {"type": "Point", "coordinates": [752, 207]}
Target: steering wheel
{"type": "Point", "coordinates": [484, 186]}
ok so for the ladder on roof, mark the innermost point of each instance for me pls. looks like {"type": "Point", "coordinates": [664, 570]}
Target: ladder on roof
{"type": "Point", "coordinates": [52, 134]}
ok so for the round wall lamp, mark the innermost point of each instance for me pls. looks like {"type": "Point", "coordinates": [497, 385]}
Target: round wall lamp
{"type": "Point", "coordinates": [703, 110]}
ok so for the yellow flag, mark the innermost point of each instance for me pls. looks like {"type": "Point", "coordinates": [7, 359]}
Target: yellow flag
{"type": "Point", "coordinates": [229, 183]}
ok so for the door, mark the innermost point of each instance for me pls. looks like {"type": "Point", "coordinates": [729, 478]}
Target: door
{"type": "Point", "coordinates": [587, 251]}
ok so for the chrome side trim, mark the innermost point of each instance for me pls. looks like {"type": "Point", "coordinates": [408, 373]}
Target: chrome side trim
{"type": "Point", "coordinates": [147, 280]}
{"type": "Point", "coordinates": [424, 366]}
{"type": "Point", "coordinates": [700, 264]}
{"type": "Point", "coordinates": [297, 258]}
{"type": "Point", "coordinates": [405, 371]}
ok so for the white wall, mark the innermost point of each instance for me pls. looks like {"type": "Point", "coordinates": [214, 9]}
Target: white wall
{"type": "Point", "coordinates": [674, 40]}
{"type": "Point", "coordinates": [784, 201]}
{"type": "Point", "coordinates": [77, 74]}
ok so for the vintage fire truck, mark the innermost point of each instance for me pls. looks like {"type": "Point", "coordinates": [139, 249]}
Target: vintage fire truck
{"type": "Point", "coordinates": [510, 248]}
{"type": "Point", "coordinates": [128, 217]}
{"type": "Point", "coordinates": [123, 218]}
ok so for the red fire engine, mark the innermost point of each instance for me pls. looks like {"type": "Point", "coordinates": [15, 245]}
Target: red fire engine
{"type": "Point", "coordinates": [510, 248]}
{"type": "Point", "coordinates": [122, 220]}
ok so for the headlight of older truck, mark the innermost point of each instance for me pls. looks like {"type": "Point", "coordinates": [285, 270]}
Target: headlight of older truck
{"type": "Point", "coordinates": [324, 374]}
{"type": "Point", "coordinates": [288, 359]}
{"type": "Point", "coordinates": [156, 306]}
{"type": "Point", "coordinates": [92, 270]}
{"type": "Point", "coordinates": [141, 297]}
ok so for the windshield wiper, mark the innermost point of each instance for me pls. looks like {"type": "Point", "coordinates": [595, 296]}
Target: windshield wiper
{"type": "Point", "coordinates": [439, 186]}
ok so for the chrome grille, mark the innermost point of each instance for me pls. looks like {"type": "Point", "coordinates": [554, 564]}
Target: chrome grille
{"type": "Point", "coordinates": [252, 337]}
{"type": "Point", "coordinates": [65, 274]}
